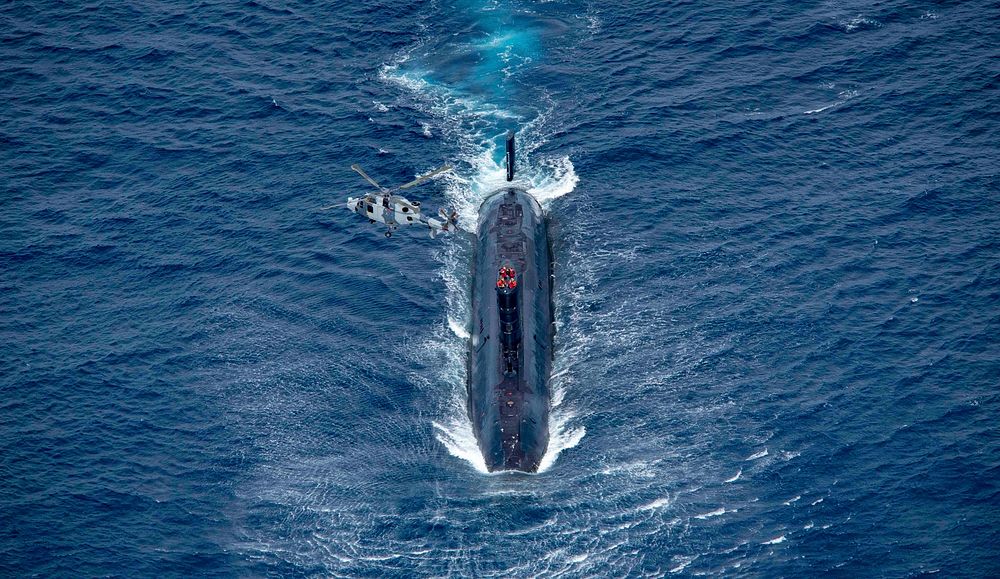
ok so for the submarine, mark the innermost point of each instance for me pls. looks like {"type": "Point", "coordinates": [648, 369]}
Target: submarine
{"type": "Point", "coordinates": [511, 339]}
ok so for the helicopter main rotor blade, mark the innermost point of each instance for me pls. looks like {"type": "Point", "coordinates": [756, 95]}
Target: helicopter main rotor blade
{"type": "Point", "coordinates": [361, 172]}
{"type": "Point", "coordinates": [423, 178]}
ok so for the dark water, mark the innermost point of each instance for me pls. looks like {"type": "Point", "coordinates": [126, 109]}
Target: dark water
{"type": "Point", "coordinates": [778, 288]}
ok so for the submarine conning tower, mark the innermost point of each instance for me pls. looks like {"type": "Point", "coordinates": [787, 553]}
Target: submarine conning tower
{"type": "Point", "coordinates": [510, 356]}
{"type": "Point", "coordinates": [510, 318]}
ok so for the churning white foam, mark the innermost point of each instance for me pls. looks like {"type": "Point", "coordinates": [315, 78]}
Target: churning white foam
{"type": "Point", "coordinates": [458, 329]}
{"type": "Point", "coordinates": [716, 513]}
{"type": "Point", "coordinates": [562, 436]}
{"type": "Point", "coordinates": [683, 561]}
{"type": "Point", "coordinates": [457, 436]}
{"type": "Point", "coordinates": [471, 124]}
{"type": "Point", "coordinates": [658, 503]}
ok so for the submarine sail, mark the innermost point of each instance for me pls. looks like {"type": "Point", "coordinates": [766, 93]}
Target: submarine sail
{"type": "Point", "coordinates": [510, 350]}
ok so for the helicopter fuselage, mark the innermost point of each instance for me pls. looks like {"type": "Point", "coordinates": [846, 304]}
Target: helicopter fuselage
{"type": "Point", "coordinates": [392, 210]}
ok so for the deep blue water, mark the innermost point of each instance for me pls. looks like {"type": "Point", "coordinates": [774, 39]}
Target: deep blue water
{"type": "Point", "coordinates": [775, 228]}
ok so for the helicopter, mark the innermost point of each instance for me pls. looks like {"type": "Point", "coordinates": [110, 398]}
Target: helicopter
{"type": "Point", "coordinates": [385, 206]}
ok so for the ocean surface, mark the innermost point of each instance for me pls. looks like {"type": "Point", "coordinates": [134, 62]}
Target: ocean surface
{"type": "Point", "coordinates": [776, 233]}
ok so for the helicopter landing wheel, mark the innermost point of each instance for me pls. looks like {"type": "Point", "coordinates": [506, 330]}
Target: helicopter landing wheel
{"type": "Point", "coordinates": [371, 221]}
{"type": "Point", "coordinates": [388, 234]}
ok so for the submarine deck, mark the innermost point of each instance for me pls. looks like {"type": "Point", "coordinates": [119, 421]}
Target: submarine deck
{"type": "Point", "coordinates": [510, 356]}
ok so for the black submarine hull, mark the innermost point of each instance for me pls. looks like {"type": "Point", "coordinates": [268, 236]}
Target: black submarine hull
{"type": "Point", "coordinates": [510, 357]}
